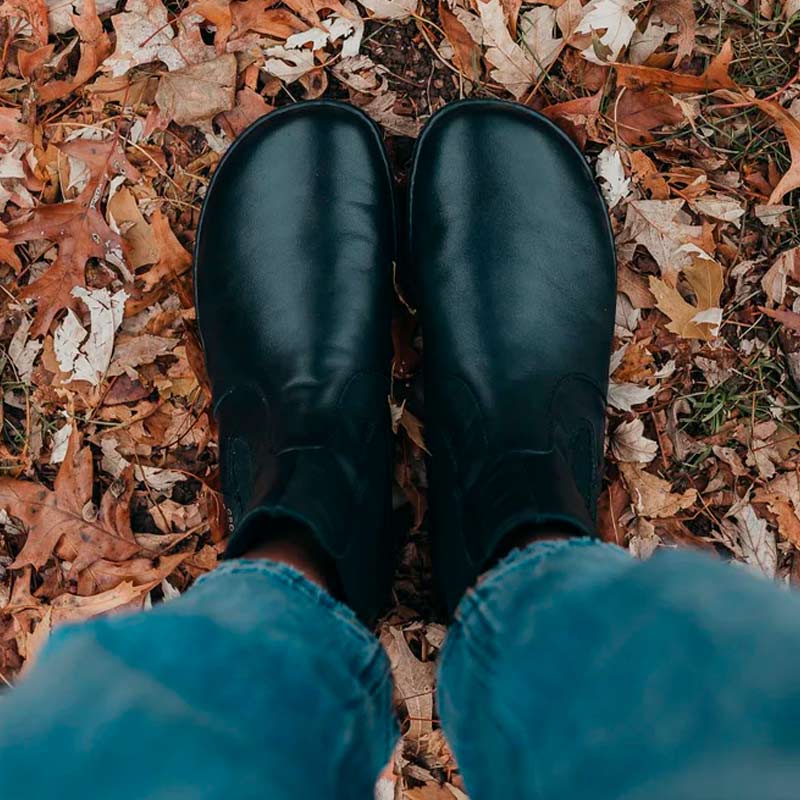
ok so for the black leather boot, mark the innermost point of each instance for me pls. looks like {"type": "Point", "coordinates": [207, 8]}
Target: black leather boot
{"type": "Point", "coordinates": [515, 259]}
{"type": "Point", "coordinates": [293, 271]}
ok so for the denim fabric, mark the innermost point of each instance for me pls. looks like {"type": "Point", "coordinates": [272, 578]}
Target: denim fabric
{"type": "Point", "coordinates": [255, 684]}
{"type": "Point", "coordinates": [571, 672]}
{"type": "Point", "coordinates": [575, 672]}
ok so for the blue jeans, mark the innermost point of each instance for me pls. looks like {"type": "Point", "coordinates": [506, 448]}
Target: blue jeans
{"type": "Point", "coordinates": [571, 672]}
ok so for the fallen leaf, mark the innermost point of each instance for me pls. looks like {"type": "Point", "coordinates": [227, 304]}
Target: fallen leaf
{"type": "Point", "coordinates": [662, 227]}
{"type": "Point", "coordinates": [715, 76]}
{"type": "Point", "coordinates": [679, 13]}
{"type": "Point", "coordinates": [62, 519]}
{"type": "Point", "coordinates": [22, 351]}
{"type": "Point", "coordinates": [86, 355]}
{"type": "Point", "coordinates": [786, 265]}
{"type": "Point", "coordinates": [652, 496]}
{"type": "Point", "coordinates": [577, 118]}
{"type": "Point", "coordinates": [628, 443]}
{"type": "Point", "coordinates": [611, 27]}
{"type": "Point", "coordinates": [791, 130]}
{"type": "Point", "coordinates": [197, 93]}
{"type": "Point", "coordinates": [756, 540]}
{"type": "Point", "coordinates": [466, 54]}
{"type": "Point", "coordinates": [611, 174]}
{"type": "Point", "coordinates": [126, 218]}
{"type": "Point", "coordinates": [512, 67]}
{"type": "Point", "coordinates": [390, 9]}
{"type": "Point", "coordinates": [700, 320]}
{"type": "Point", "coordinates": [95, 47]}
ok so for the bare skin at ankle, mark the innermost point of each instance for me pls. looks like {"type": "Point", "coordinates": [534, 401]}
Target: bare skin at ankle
{"type": "Point", "coordinates": [522, 537]}
{"type": "Point", "coordinates": [299, 550]}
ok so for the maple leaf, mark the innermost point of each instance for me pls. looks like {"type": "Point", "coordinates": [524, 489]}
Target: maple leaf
{"type": "Point", "coordinates": [77, 227]}
{"type": "Point", "coordinates": [61, 520]}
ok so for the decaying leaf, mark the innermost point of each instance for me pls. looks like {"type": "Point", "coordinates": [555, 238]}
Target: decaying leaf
{"type": "Point", "coordinates": [512, 66]}
{"type": "Point", "coordinates": [652, 496]}
{"type": "Point", "coordinates": [628, 443]}
{"type": "Point", "coordinates": [63, 519]}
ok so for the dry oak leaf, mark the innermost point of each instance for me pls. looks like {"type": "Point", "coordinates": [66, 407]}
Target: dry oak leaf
{"type": "Point", "coordinates": [33, 11]}
{"type": "Point", "coordinates": [787, 265]}
{"type": "Point", "coordinates": [662, 227]}
{"type": "Point", "coordinates": [198, 93]}
{"type": "Point", "coordinates": [390, 9]}
{"type": "Point", "coordinates": [95, 48]}
{"type": "Point", "coordinates": [79, 229]}
{"type": "Point", "coordinates": [173, 259]}
{"type": "Point", "coordinates": [512, 66]}
{"type": "Point", "coordinates": [144, 35]}
{"type": "Point", "coordinates": [681, 14]}
{"type": "Point", "coordinates": [74, 608]}
{"type": "Point", "coordinates": [249, 107]}
{"type": "Point", "coordinates": [782, 495]}
{"type": "Point", "coordinates": [466, 54]}
{"type": "Point", "coordinates": [791, 130]}
{"type": "Point", "coordinates": [756, 540]}
{"type": "Point", "coordinates": [701, 320]}
{"type": "Point", "coordinates": [652, 496]}
{"type": "Point", "coordinates": [63, 519]}
{"type": "Point", "coordinates": [638, 113]}
{"type": "Point", "coordinates": [124, 211]}
{"type": "Point", "coordinates": [577, 118]}
{"type": "Point", "coordinates": [715, 76]}
{"type": "Point", "coordinates": [628, 443]}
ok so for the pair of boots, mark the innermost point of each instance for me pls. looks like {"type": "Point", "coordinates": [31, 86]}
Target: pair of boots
{"type": "Point", "coordinates": [514, 260]}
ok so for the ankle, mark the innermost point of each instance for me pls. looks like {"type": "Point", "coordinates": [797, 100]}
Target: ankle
{"type": "Point", "coordinates": [522, 536]}
{"type": "Point", "coordinates": [295, 546]}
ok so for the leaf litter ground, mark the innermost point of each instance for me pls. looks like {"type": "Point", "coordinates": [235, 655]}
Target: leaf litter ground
{"type": "Point", "coordinates": [113, 117]}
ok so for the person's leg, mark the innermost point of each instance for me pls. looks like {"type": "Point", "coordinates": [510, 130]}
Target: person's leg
{"type": "Point", "coordinates": [574, 671]}
{"type": "Point", "coordinates": [255, 684]}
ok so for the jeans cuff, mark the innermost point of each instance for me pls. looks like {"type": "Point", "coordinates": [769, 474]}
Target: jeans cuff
{"type": "Point", "coordinates": [293, 582]}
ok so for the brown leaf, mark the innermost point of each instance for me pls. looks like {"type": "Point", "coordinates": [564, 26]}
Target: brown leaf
{"type": "Point", "coordinates": [466, 54]}
{"type": "Point", "coordinates": [139, 235]}
{"type": "Point", "coordinates": [652, 496]}
{"type": "Point", "coordinates": [706, 280]}
{"type": "Point", "coordinates": [173, 259]}
{"type": "Point", "coordinates": [791, 130]}
{"type": "Point", "coordinates": [62, 518]}
{"type": "Point", "coordinates": [638, 78]}
{"type": "Point", "coordinates": [34, 11]}
{"type": "Point", "coordinates": [787, 318]}
{"type": "Point", "coordinates": [577, 118]}
{"type": "Point", "coordinates": [249, 107]}
{"type": "Point", "coordinates": [73, 608]}
{"type": "Point", "coordinates": [681, 14]}
{"type": "Point", "coordinates": [95, 48]}
{"type": "Point", "coordinates": [198, 93]}
{"type": "Point", "coordinates": [637, 113]}
{"type": "Point", "coordinates": [81, 233]}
